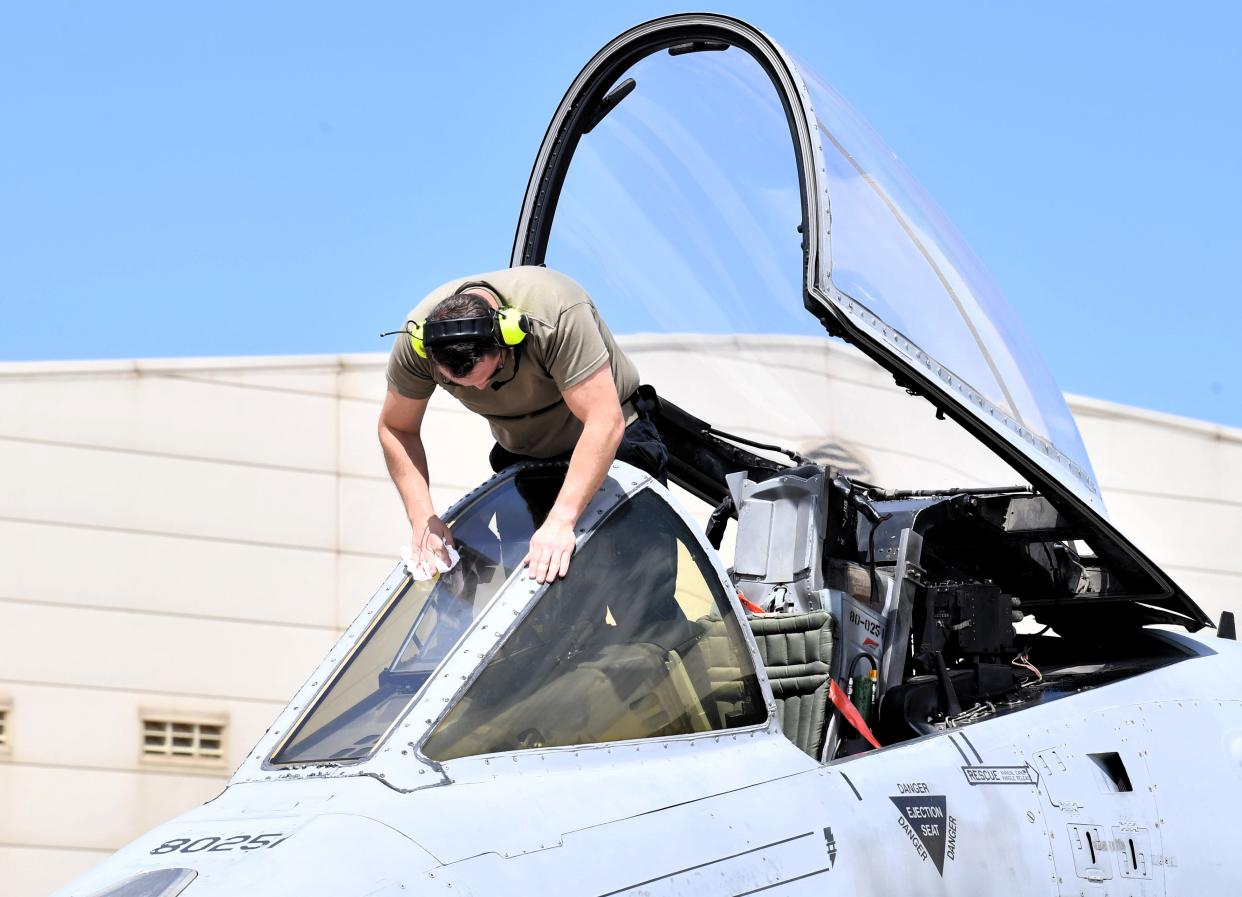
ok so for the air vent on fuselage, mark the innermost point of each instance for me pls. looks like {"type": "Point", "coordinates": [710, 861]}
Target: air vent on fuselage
{"type": "Point", "coordinates": [1114, 771]}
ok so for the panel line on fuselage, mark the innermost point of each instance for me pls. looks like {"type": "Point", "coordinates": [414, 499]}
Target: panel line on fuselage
{"type": "Point", "coordinates": [714, 862]}
{"type": "Point", "coordinates": [788, 881]}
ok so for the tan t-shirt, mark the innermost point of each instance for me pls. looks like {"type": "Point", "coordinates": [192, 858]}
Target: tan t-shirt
{"type": "Point", "coordinates": [567, 343]}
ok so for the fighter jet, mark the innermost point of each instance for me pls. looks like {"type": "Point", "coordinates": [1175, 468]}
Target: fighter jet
{"type": "Point", "coordinates": [822, 684]}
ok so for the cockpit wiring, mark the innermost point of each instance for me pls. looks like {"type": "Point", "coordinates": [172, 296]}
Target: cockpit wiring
{"type": "Point", "coordinates": [856, 495]}
{"type": "Point", "coordinates": [1023, 661]}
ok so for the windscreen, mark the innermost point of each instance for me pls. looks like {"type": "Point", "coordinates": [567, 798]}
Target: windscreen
{"type": "Point", "coordinates": [637, 641]}
{"type": "Point", "coordinates": [421, 623]}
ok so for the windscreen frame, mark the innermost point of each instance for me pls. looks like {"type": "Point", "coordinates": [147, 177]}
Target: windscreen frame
{"type": "Point", "coordinates": [517, 588]}
{"type": "Point", "coordinates": [695, 33]}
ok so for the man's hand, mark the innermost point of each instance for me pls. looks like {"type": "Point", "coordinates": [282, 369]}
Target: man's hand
{"type": "Point", "coordinates": [429, 541]}
{"type": "Point", "coordinates": [594, 402]}
{"type": "Point", "coordinates": [551, 547]}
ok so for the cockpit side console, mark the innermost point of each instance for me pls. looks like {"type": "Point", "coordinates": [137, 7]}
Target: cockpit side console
{"type": "Point", "coordinates": [924, 590]}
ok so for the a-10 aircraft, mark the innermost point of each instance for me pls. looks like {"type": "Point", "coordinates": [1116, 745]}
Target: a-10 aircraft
{"type": "Point", "coordinates": [851, 707]}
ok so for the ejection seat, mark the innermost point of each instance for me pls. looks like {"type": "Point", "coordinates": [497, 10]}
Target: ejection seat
{"type": "Point", "coordinates": [797, 658]}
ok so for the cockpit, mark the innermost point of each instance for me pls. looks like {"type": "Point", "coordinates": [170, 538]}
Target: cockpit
{"type": "Point", "coordinates": [848, 618]}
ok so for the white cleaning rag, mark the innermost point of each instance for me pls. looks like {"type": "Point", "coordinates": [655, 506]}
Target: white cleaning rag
{"type": "Point", "coordinates": [424, 570]}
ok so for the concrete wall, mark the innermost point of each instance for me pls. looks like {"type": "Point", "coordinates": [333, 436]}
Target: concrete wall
{"type": "Point", "coordinates": [189, 536]}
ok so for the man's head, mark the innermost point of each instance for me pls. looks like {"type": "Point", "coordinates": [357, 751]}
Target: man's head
{"type": "Point", "coordinates": [472, 362]}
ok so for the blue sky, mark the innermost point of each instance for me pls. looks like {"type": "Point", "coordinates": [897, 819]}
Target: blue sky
{"type": "Point", "coordinates": [235, 178]}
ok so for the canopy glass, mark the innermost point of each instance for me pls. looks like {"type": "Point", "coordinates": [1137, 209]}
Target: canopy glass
{"type": "Point", "coordinates": [681, 211]}
{"type": "Point", "coordinates": [895, 252]}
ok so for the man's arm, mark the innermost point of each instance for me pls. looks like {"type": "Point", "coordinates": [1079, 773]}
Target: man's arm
{"type": "Point", "coordinates": [594, 402]}
{"type": "Point", "coordinates": [400, 435]}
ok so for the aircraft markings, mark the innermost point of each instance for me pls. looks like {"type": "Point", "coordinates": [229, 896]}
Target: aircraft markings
{"type": "Point", "coordinates": [953, 742]}
{"type": "Point", "coordinates": [219, 843]}
{"type": "Point", "coordinates": [972, 747]}
{"type": "Point", "coordinates": [927, 823]}
{"type": "Point", "coordinates": [1001, 775]}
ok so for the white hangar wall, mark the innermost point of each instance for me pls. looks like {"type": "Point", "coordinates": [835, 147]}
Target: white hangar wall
{"type": "Point", "coordinates": [182, 540]}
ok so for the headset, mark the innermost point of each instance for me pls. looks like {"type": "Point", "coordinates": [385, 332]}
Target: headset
{"type": "Point", "coordinates": [505, 326]}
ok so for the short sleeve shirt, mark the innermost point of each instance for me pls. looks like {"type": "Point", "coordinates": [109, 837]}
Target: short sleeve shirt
{"type": "Point", "coordinates": [568, 342]}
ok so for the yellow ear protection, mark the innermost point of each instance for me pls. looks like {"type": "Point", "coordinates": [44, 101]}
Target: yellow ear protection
{"type": "Point", "coordinates": [504, 326]}
{"type": "Point", "coordinates": [511, 326]}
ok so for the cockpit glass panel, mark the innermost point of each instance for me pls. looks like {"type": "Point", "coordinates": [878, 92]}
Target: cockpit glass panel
{"type": "Point", "coordinates": [681, 213]}
{"type": "Point", "coordinates": [637, 641]}
{"type": "Point", "coordinates": [421, 624]}
{"type": "Point", "coordinates": [681, 209]}
{"type": "Point", "coordinates": [895, 252]}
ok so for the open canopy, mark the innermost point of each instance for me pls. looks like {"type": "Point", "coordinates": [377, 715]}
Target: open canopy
{"type": "Point", "coordinates": [698, 181]}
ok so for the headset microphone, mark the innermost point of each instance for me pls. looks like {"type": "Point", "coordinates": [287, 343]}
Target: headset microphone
{"type": "Point", "coordinates": [517, 363]}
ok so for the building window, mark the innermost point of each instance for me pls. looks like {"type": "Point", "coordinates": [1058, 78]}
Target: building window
{"type": "Point", "coordinates": [182, 738]}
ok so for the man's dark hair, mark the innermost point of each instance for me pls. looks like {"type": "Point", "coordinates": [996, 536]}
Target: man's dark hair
{"type": "Point", "coordinates": [460, 358]}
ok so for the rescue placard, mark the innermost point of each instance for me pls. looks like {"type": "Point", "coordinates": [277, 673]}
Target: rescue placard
{"type": "Point", "coordinates": [1001, 775]}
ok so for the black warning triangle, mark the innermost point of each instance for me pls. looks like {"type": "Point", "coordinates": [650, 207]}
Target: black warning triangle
{"type": "Point", "coordinates": [927, 817]}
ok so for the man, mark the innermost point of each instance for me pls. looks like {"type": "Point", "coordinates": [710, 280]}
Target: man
{"type": "Point", "coordinates": [525, 348]}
